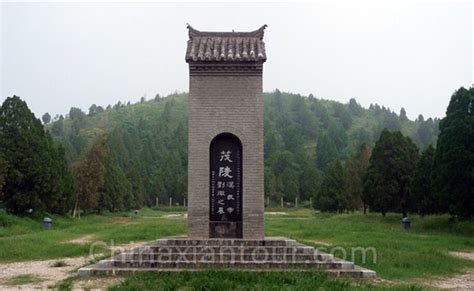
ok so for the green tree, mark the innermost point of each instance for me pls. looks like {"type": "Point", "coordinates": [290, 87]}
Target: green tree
{"type": "Point", "coordinates": [281, 161]}
{"type": "Point", "coordinates": [403, 114]}
{"type": "Point", "coordinates": [77, 114]}
{"type": "Point", "coordinates": [337, 134]}
{"type": "Point", "coordinates": [310, 181]}
{"type": "Point", "coordinates": [423, 199]}
{"type": "Point", "coordinates": [89, 175]}
{"type": "Point", "coordinates": [38, 176]}
{"type": "Point", "coordinates": [355, 107]}
{"type": "Point", "coordinates": [138, 192]}
{"type": "Point", "coordinates": [290, 184]}
{"type": "Point", "coordinates": [390, 121]}
{"type": "Point", "coordinates": [116, 193]}
{"type": "Point", "coordinates": [390, 171]}
{"type": "Point", "coordinates": [277, 100]}
{"type": "Point", "coordinates": [326, 151]}
{"type": "Point", "coordinates": [147, 141]}
{"type": "Point", "coordinates": [92, 110]}
{"type": "Point", "coordinates": [342, 113]}
{"type": "Point", "coordinates": [46, 118]}
{"type": "Point", "coordinates": [58, 126]}
{"type": "Point", "coordinates": [425, 132]}
{"type": "Point", "coordinates": [271, 185]}
{"type": "Point", "coordinates": [59, 197]}
{"type": "Point", "coordinates": [356, 168]}
{"type": "Point", "coordinates": [303, 117]}
{"type": "Point", "coordinates": [3, 172]}
{"type": "Point", "coordinates": [453, 169]}
{"type": "Point", "coordinates": [332, 196]}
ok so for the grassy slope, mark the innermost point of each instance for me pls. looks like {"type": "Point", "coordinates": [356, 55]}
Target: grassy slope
{"type": "Point", "coordinates": [152, 111]}
{"type": "Point", "coordinates": [401, 256]}
{"type": "Point", "coordinates": [26, 241]}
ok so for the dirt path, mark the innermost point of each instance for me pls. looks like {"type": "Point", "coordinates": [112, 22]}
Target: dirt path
{"type": "Point", "coordinates": [41, 270]}
{"type": "Point", "coordinates": [464, 281]}
{"type": "Point", "coordinates": [47, 273]}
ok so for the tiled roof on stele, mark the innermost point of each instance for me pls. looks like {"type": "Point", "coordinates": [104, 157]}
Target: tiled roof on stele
{"type": "Point", "coordinates": [209, 46]}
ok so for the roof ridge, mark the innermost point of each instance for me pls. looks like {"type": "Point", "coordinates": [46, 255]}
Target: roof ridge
{"type": "Point", "coordinates": [197, 33]}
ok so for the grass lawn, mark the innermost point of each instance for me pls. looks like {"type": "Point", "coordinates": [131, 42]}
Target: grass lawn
{"type": "Point", "coordinates": [24, 238]}
{"type": "Point", "coordinates": [420, 252]}
{"type": "Point", "coordinates": [402, 256]}
{"type": "Point", "coordinates": [232, 280]}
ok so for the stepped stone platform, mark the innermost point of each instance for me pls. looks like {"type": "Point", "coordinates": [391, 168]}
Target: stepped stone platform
{"type": "Point", "coordinates": [180, 254]}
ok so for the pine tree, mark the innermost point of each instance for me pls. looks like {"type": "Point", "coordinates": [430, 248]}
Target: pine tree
{"type": "Point", "coordinates": [453, 167]}
{"type": "Point", "coordinates": [92, 110]}
{"type": "Point", "coordinates": [423, 199]}
{"type": "Point", "coordinates": [425, 133]}
{"type": "Point", "coordinates": [388, 178]}
{"type": "Point", "coordinates": [356, 169]}
{"type": "Point", "coordinates": [89, 174]}
{"type": "Point", "coordinates": [403, 114]}
{"type": "Point", "coordinates": [138, 192]}
{"type": "Point", "coordinates": [3, 172]}
{"type": "Point", "coordinates": [310, 180]}
{"type": "Point", "coordinates": [59, 198]}
{"type": "Point", "coordinates": [355, 107]}
{"type": "Point", "coordinates": [58, 126]}
{"type": "Point", "coordinates": [343, 114]}
{"type": "Point", "coordinates": [46, 118]}
{"type": "Point", "coordinates": [38, 178]}
{"type": "Point", "coordinates": [277, 100]}
{"type": "Point", "coordinates": [390, 121]}
{"type": "Point", "coordinates": [290, 184]}
{"type": "Point", "coordinates": [337, 134]}
{"type": "Point", "coordinates": [116, 192]}
{"type": "Point", "coordinates": [326, 152]}
{"type": "Point", "coordinates": [332, 196]}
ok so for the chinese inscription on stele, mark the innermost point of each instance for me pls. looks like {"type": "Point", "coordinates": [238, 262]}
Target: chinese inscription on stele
{"type": "Point", "coordinates": [225, 187]}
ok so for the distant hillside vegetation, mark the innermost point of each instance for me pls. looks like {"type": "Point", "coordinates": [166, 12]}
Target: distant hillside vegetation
{"type": "Point", "coordinates": [147, 141]}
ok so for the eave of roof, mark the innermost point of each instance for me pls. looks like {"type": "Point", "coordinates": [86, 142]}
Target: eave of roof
{"type": "Point", "coordinates": [236, 47]}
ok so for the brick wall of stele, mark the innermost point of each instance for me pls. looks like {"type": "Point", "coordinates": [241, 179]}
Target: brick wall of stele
{"type": "Point", "coordinates": [225, 103]}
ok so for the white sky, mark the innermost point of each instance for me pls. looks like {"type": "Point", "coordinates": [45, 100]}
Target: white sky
{"type": "Point", "coordinates": [410, 54]}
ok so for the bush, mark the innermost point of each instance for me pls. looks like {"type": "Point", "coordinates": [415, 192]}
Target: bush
{"type": "Point", "coordinates": [6, 219]}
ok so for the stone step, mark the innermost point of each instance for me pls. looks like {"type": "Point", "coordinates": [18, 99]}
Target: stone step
{"type": "Point", "coordinates": [233, 265]}
{"type": "Point", "coordinates": [226, 256]}
{"type": "Point", "coordinates": [223, 242]}
{"type": "Point", "coordinates": [357, 272]}
{"type": "Point", "coordinates": [110, 271]}
{"type": "Point", "coordinates": [228, 249]}
{"type": "Point", "coordinates": [180, 254]}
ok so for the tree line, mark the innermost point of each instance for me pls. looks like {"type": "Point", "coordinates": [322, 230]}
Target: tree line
{"type": "Point", "coordinates": [129, 155]}
{"type": "Point", "coordinates": [395, 177]}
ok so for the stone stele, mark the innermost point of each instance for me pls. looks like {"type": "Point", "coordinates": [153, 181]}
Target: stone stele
{"type": "Point", "coordinates": [225, 172]}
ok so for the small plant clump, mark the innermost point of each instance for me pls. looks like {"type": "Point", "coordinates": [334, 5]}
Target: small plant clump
{"type": "Point", "coordinates": [59, 264]}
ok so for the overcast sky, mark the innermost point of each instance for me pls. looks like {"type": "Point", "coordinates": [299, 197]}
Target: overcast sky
{"type": "Point", "coordinates": [395, 54]}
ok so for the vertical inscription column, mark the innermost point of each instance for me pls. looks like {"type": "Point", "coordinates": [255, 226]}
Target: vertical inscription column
{"type": "Point", "coordinates": [225, 215]}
